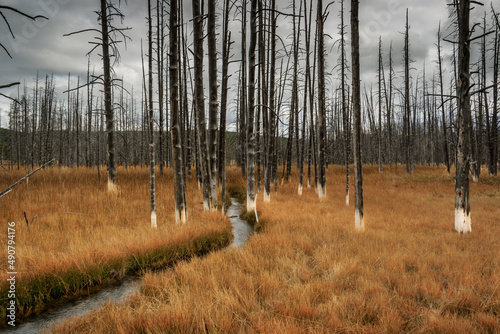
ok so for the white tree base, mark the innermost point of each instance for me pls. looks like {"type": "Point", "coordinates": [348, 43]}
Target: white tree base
{"type": "Point", "coordinates": [462, 221]}
{"type": "Point", "coordinates": [300, 189]}
{"type": "Point", "coordinates": [321, 192]}
{"type": "Point", "coordinates": [267, 197]}
{"type": "Point", "coordinates": [180, 216]}
{"type": "Point", "coordinates": [153, 220]}
{"type": "Point", "coordinates": [250, 204]}
{"type": "Point", "coordinates": [347, 199]}
{"type": "Point", "coordinates": [359, 221]}
{"type": "Point", "coordinates": [206, 206]}
{"type": "Point", "coordinates": [112, 186]}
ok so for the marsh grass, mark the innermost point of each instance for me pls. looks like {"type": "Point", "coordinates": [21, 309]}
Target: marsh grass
{"type": "Point", "coordinates": [308, 271]}
{"type": "Point", "coordinates": [84, 238]}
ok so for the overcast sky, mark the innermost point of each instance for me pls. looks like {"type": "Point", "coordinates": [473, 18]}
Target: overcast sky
{"type": "Point", "coordinates": [40, 46]}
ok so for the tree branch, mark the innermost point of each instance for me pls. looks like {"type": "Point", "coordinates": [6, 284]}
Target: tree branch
{"type": "Point", "coordinates": [9, 189]}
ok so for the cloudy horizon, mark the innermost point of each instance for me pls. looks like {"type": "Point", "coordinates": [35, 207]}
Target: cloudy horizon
{"type": "Point", "coordinates": [39, 46]}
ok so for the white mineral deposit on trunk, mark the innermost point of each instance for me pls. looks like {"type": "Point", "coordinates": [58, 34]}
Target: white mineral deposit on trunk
{"type": "Point", "coordinates": [153, 219]}
{"type": "Point", "coordinates": [359, 221]}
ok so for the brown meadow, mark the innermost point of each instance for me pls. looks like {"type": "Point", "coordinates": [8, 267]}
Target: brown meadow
{"type": "Point", "coordinates": [83, 238]}
{"type": "Point", "coordinates": [309, 271]}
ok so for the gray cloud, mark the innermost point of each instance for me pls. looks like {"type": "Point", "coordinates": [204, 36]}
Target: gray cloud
{"type": "Point", "coordinates": [40, 46]}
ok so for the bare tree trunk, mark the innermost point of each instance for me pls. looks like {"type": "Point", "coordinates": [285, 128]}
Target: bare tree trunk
{"type": "Point", "coordinates": [107, 98]}
{"type": "Point", "coordinates": [226, 47]}
{"type": "Point", "coordinates": [462, 204]}
{"type": "Point", "coordinates": [159, 62]}
{"type": "Point", "coordinates": [243, 94]}
{"type": "Point", "coordinates": [494, 117]}
{"type": "Point", "coordinates": [179, 190]}
{"type": "Point", "coordinates": [345, 110]}
{"type": "Point", "coordinates": [356, 96]}
{"type": "Point", "coordinates": [443, 121]}
{"type": "Point", "coordinates": [321, 102]}
{"type": "Point", "coordinates": [380, 104]}
{"type": "Point", "coordinates": [213, 104]}
{"type": "Point", "coordinates": [270, 151]}
{"type": "Point", "coordinates": [151, 121]}
{"type": "Point", "coordinates": [251, 110]}
{"type": "Point", "coordinates": [199, 101]}
{"type": "Point", "coordinates": [388, 102]}
{"type": "Point", "coordinates": [307, 29]}
{"type": "Point", "coordinates": [407, 112]}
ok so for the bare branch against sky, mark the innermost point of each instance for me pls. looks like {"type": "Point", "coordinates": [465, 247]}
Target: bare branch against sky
{"type": "Point", "coordinates": [39, 46]}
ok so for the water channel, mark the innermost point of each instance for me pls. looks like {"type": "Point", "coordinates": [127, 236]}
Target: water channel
{"type": "Point", "coordinates": [119, 292]}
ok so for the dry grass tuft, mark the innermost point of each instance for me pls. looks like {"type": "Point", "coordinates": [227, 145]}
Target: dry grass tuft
{"type": "Point", "coordinates": [308, 271]}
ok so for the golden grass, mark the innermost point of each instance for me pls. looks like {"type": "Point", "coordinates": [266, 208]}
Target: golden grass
{"type": "Point", "coordinates": [83, 237]}
{"type": "Point", "coordinates": [308, 271]}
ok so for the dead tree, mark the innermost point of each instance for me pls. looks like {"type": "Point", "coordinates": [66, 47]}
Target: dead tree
{"type": "Point", "coordinates": [462, 204]}
{"type": "Point", "coordinates": [226, 47]}
{"type": "Point", "coordinates": [199, 101]}
{"type": "Point", "coordinates": [151, 121]}
{"type": "Point", "coordinates": [250, 135]}
{"type": "Point", "coordinates": [321, 101]}
{"type": "Point", "coordinates": [109, 39]}
{"type": "Point", "coordinates": [356, 101]}
{"type": "Point", "coordinates": [179, 190]}
{"type": "Point", "coordinates": [407, 110]}
{"type": "Point", "coordinates": [443, 121]}
{"type": "Point", "coordinates": [213, 103]}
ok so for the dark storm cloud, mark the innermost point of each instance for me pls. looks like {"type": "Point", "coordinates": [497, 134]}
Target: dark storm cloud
{"type": "Point", "coordinates": [40, 46]}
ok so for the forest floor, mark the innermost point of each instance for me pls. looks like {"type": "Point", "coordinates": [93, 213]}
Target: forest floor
{"type": "Point", "coordinates": [81, 238]}
{"type": "Point", "coordinates": [308, 271]}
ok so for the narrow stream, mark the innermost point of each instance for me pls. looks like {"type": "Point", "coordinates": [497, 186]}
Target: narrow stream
{"type": "Point", "coordinates": [118, 292]}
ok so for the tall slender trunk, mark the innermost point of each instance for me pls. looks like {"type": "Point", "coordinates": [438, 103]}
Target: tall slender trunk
{"type": "Point", "coordinates": [107, 98]}
{"type": "Point", "coordinates": [179, 190]}
{"type": "Point", "coordinates": [443, 120]}
{"type": "Point", "coordinates": [226, 47]}
{"type": "Point", "coordinates": [199, 101]}
{"type": "Point", "coordinates": [213, 104]}
{"type": "Point", "coordinates": [307, 29]}
{"type": "Point", "coordinates": [151, 121]}
{"type": "Point", "coordinates": [243, 94]}
{"type": "Point", "coordinates": [251, 110]}
{"type": "Point", "coordinates": [380, 104]}
{"type": "Point", "coordinates": [345, 110]}
{"type": "Point", "coordinates": [159, 63]}
{"type": "Point", "coordinates": [321, 102]}
{"type": "Point", "coordinates": [356, 96]}
{"type": "Point", "coordinates": [270, 147]}
{"type": "Point", "coordinates": [407, 110]}
{"type": "Point", "coordinates": [462, 204]}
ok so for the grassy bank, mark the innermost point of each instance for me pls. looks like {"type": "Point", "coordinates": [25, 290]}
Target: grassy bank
{"type": "Point", "coordinates": [83, 238]}
{"type": "Point", "coordinates": [310, 272]}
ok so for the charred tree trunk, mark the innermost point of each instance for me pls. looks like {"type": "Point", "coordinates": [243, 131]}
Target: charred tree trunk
{"type": "Point", "coordinates": [226, 47]}
{"type": "Point", "coordinates": [270, 147]}
{"type": "Point", "coordinates": [179, 190]}
{"type": "Point", "coordinates": [151, 121]}
{"type": "Point", "coordinates": [356, 101]}
{"type": "Point", "coordinates": [443, 121]}
{"type": "Point", "coordinates": [251, 110]}
{"type": "Point", "coordinates": [107, 98]}
{"type": "Point", "coordinates": [321, 102]}
{"type": "Point", "coordinates": [213, 104]}
{"type": "Point", "coordinates": [407, 113]}
{"type": "Point", "coordinates": [462, 204]}
{"type": "Point", "coordinates": [199, 101]}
